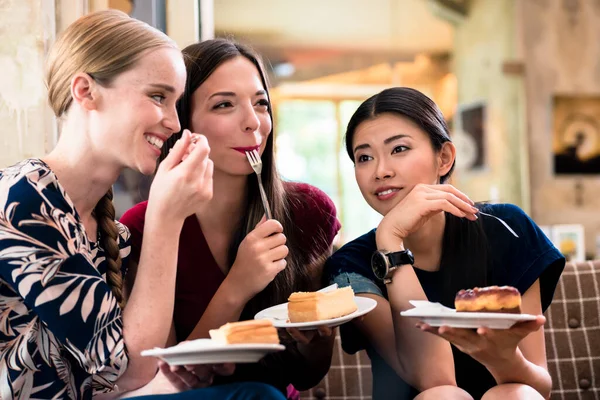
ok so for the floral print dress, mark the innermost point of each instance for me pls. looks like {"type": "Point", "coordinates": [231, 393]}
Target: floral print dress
{"type": "Point", "coordinates": [61, 332]}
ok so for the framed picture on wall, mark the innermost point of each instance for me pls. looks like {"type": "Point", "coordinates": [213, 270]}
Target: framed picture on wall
{"type": "Point", "coordinates": [570, 241]}
{"type": "Point", "coordinates": [469, 136]}
{"type": "Point", "coordinates": [576, 137]}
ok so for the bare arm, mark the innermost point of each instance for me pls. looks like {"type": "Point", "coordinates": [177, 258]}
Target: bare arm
{"type": "Point", "coordinates": [414, 356]}
{"type": "Point", "coordinates": [378, 327]}
{"type": "Point", "coordinates": [528, 365]}
{"type": "Point", "coordinates": [187, 171]}
{"type": "Point", "coordinates": [418, 354]}
{"type": "Point", "coordinates": [151, 299]}
{"type": "Point", "coordinates": [260, 257]}
{"type": "Point", "coordinates": [226, 306]}
{"type": "Point", "coordinates": [171, 380]}
{"type": "Point", "coordinates": [307, 361]}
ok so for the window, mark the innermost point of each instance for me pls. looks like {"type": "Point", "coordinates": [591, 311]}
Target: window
{"type": "Point", "coordinates": [310, 148]}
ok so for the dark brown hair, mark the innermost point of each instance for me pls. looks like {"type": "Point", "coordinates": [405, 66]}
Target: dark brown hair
{"type": "Point", "coordinates": [201, 60]}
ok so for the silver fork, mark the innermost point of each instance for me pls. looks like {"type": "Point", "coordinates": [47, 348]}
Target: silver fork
{"type": "Point", "coordinates": [256, 163]}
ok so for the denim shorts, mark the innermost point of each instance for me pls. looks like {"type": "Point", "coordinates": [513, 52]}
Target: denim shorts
{"type": "Point", "coordinates": [358, 282]}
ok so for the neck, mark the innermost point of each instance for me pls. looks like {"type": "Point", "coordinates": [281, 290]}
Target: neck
{"type": "Point", "coordinates": [84, 175]}
{"type": "Point", "coordinates": [226, 207]}
{"type": "Point", "coordinates": [426, 243]}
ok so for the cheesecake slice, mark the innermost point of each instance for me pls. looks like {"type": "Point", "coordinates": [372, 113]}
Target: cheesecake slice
{"type": "Point", "coordinates": [317, 306]}
{"type": "Point", "coordinates": [252, 331]}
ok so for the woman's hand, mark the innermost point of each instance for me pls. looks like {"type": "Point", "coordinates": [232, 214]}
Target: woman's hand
{"type": "Point", "coordinates": [184, 178]}
{"type": "Point", "coordinates": [420, 204]}
{"type": "Point", "coordinates": [175, 379]}
{"type": "Point", "coordinates": [311, 336]}
{"type": "Point", "coordinates": [260, 257]}
{"type": "Point", "coordinates": [491, 347]}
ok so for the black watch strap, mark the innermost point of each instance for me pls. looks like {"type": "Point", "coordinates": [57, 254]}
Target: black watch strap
{"type": "Point", "coordinates": [404, 257]}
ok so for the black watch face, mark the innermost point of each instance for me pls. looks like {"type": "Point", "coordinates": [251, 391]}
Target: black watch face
{"type": "Point", "coordinates": [379, 265]}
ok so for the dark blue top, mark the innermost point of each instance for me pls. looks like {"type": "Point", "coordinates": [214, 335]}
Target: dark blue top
{"type": "Point", "coordinates": [519, 254]}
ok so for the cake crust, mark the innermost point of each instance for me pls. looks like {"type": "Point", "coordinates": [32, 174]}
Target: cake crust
{"type": "Point", "coordinates": [497, 299]}
{"type": "Point", "coordinates": [318, 306]}
{"type": "Point", "coordinates": [252, 331]}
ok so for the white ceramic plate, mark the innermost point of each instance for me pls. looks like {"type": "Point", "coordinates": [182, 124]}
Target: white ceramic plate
{"type": "Point", "coordinates": [279, 315]}
{"type": "Point", "coordinates": [206, 351]}
{"type": "Point", "coordinates": [435, 314]}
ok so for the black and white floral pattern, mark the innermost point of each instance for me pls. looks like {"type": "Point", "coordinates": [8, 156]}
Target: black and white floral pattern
{"type": "Point", "coordinates": [60, 326]}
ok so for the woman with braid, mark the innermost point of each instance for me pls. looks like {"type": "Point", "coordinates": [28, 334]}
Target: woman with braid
{"type": "Point", "coordinates": [70, 326]}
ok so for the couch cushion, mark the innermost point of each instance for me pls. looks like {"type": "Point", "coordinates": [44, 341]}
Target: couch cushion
{"type": "Point", "coordinates": [573, 333]}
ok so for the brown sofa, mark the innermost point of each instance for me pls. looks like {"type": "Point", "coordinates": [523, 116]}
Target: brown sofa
{"type": "Point", "coordinates": [572, 344]}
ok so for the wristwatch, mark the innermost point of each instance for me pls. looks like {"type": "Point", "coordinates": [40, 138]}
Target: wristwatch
{"type": "Point", "coordinates": [384, 263]}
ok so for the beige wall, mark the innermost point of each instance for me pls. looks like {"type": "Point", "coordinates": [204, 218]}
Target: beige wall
{"type": "Point", "coordinates": [27, 29]}
{"type": "Point", "coordinates": [183, 23]}
{"type": "Point", "coordinates": [484, 42]}
{"type": "Point", "coordinates": [562, 57]}
{"type": "Point", "coordinates": [26, 122]}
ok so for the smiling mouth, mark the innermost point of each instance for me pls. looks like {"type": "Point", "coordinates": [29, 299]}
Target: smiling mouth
{"type": "Point", "coordinates": [154, 141]}
{"type": "Point", "coordinates": [386, 192]}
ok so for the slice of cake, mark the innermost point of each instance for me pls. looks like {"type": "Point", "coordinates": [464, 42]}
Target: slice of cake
{"type": "Point", "coordinates": [252, 331]}
{"type": "Point", "coordinates": [317, 306]}
{"type": "Point", "coordinates": [498, 299]}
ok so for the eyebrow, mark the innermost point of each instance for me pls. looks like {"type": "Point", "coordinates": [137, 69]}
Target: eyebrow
{"type": "Point", "coordinates": [164, 87]}
{"type": "Point", "coordinates": [232, 94]}
{"type": "Point", "coordinates": [386, 141]}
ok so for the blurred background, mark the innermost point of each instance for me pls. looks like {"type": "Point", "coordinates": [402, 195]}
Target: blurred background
{"type": "Point", "coordinates": [517, 80]}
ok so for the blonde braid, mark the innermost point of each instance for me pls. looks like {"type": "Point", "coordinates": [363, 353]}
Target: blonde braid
{"type": "Point", "coordinates": [108, 233]}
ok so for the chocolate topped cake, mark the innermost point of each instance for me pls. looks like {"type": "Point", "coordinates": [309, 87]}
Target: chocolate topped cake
{"type": "Point", "coordinates": [498, 299]}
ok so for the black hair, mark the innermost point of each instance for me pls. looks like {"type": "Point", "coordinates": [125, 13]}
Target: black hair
{"type": "Point", "coordinates": [409, 103]}
{"type": "Point", "coordinates": [465, 250]}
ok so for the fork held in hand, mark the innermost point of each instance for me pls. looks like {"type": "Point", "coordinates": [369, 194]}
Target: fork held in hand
{"type": "Point", "coordinates": [256, 163]}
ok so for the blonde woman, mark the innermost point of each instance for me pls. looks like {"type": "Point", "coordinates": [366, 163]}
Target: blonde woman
{"type": "Point", "coordinates": [65, 331]}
